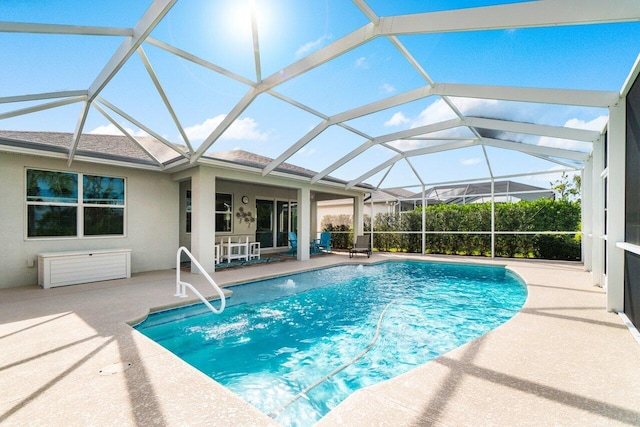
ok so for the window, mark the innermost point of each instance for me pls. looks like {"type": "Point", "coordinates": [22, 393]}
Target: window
{"type": "Point", "coordinates": [224, 205]}
{"type": "Point", "coordinates": [103, 202]}
{"type": "Point", "coordinates": [52, 203]}
{"type": "Point", "coordinates": [65, 204]}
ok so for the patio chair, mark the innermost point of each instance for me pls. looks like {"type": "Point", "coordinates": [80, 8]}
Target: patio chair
{"type": "Point", "coordinates": [293, 242]}
{"type": "Point", "coordinates": [362, 246]}
{"type": "Point", "coordinates": [323, 243]}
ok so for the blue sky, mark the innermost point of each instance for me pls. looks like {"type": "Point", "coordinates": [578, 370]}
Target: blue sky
{"type": "Point", "coordinates": [590, 57]}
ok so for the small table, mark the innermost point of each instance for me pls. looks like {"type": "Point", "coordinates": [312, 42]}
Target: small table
{"type": "Point", "coordinates": [254, 250]}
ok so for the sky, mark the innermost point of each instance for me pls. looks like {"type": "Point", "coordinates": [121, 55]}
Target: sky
{"type": "Point", "coordinates": [588, 57]}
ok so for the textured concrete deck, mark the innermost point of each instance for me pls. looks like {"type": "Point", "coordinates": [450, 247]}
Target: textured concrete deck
{"type": "Point", "coordinates": [563, 360]}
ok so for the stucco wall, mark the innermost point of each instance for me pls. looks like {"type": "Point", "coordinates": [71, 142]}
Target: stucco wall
{"type": "Point", "coordinates": [151, 219]}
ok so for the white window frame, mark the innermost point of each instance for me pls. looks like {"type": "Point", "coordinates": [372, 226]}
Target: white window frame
{"type": "Point", "coordinates": [79, 206]}
{"type": "Point", "coordinates": [216, 212]}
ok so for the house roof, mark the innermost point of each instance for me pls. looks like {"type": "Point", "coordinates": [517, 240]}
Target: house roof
{"type": "Point", "coordinates": [114, 147]}
{"type": "Point", "coordinates": [122, 148]}
{"type": "Point", "coordinates": [389, 32]}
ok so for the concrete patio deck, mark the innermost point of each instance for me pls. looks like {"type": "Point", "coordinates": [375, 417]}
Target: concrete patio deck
{"type": "Point", "coordinates": [563, 360]}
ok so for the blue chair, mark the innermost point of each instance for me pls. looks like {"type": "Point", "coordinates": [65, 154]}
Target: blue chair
{"type": "Point", "coordinates": [323, 243]}
{"type": "Point", "coordinates": [293, 242]}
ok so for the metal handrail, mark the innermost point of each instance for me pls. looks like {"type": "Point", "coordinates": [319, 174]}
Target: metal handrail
{"type": "Point", "coordinates": [181, 287]}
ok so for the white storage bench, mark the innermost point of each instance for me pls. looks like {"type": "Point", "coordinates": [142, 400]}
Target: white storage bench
{"type": "Point", "coordinates": [71, 268]}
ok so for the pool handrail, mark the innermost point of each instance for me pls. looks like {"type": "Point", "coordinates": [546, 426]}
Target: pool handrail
{"type": "Point", "coordinates": [181, 287]}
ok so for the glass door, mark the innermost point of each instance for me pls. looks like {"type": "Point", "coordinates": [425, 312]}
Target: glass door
{"type": "Point", "coordinates": [274, 220]}
{"type": "Point", "coordinates": [264, 223]}
{"type": "Point", "coordinates": [283, 223]}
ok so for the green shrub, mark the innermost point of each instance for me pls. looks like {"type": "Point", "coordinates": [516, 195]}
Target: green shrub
{"type": "Point", "coordinates": [560, 247]}
{"type": "Point", "coordinates": [538, 215]}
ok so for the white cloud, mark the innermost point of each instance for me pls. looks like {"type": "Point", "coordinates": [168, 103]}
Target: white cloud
{"type": "Point", "coordinates": [241, 129]}
{"type": "Point", "coordinates": [470, 162]}
{"type": "Point", "coordinates": [306, 151]}
{"type": "Point", "coordinates": [440, 111]}
{"type": "Point", "coordinates": [111, 129]}
{"type": "Point", "coordinates": [362, 62]}
{"type": "Point", "coordinates": [596, 124]}
{"type": "Point", "coordinates": [397, 119]}
{"type": "Point", "coordinates": [436, 112]}
{"type": "Point", "coordinates": [387, 88]}
{"type": "Point", "coordinates": [311, 46]}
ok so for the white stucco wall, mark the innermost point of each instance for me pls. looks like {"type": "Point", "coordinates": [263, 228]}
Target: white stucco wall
{"type": "Point", "coordinates": [152, 211]}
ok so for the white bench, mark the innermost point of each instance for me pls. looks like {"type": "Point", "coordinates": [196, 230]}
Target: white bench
{"type": "Point", "coordinates": [74, 267]}
{"type": "Point", "coordinates": [234, 250]}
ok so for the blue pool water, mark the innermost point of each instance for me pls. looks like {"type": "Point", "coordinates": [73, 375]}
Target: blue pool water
{"type": "Point", "coordinates": [279, 338]}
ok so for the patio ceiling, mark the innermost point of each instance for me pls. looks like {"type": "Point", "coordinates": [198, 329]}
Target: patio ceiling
{"type": "Point", "coordinates": [369, 154]}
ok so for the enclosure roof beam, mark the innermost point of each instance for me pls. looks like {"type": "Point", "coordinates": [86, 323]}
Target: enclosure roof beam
{"type": "Point", "coordinates": [533, 129]}
{"type": "Point", "coordinates": [24, 27]}
{"type": "Point", "coordinates": [447, 124]}
{"type": "Point", "coordinates": [41, 107]}
{"type": "Point", "coordinates": [536, 149]}
{"type": "Point", "coordinates": [412, 153]}
{"type": "Point", "coordinates": [142, 29]}
{"type": "Point", "coordinates": [583, 98]}
{"type": "Point", "coordinates": [373, 107]}
{"type": "Point", "coordinates": [41, 96]}
{"type": "Point", "coordinates": [518, 15]}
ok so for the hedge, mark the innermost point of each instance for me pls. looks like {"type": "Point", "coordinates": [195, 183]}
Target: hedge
{"type": "Point", "coordinates": [529, 216]}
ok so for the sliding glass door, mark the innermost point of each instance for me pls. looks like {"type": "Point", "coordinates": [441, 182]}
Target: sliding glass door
{"type": "Point", "coordinates": [264, 223]}
{"type": "Point", "coordinates": [275, 218]}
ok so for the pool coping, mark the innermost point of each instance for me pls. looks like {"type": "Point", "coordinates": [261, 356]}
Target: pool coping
{"type": "Point", "coordinates": [552, 363]}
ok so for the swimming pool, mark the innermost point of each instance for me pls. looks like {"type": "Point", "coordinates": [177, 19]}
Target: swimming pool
{"type": "Point", "coordinates": [296, 346]}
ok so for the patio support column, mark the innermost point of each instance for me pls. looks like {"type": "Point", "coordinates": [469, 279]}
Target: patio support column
{"type": "Point", "coordinates": [597, 209]}
{"type": "Point", "coordinates": [616, 207]}
{"type": "Point", "coordinates": [203, 226]}
{"type": "Point", "coordinates": [493, 220]}
{"type": "Point", "coordinates": [586, 213]}
{"type": "Point", "coordinates": [358, 215]}
{"type": "Point", "coordinates": [314, 218]}
{"type": "Point", "coordinates": [372, 221]}
{"type": "Point", "coordinates": [424, 222]}
{"type": "Point", "coordinates": [304, 223]}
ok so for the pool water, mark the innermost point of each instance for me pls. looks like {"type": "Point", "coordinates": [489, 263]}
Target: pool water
{"type": "Point", "coordinates": [278, 339]}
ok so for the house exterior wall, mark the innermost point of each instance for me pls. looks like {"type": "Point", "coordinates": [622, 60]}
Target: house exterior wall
{"type": "Point", "coordinates": [345, 207]}
{"type": "Point", "coordinates": [237, 189]}
{"type": "Point", "coordinates": [151, 216]}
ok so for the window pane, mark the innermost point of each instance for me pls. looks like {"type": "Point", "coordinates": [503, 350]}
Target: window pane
{"type": "Point", "coordinates": [46, 221]}
{"type": "Point", "coordinates": [223, 222]}
{"type": "Point", "coordinates": [56, 187]}
{"type": "Point", "coordinates": [103, 221]}
{"type": "Point", "coordinates": [103, 190]}
{"type": "Point", "coordinates": [223, 202]}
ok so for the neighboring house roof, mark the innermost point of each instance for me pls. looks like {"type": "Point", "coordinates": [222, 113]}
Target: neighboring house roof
{"type": "Point", "coordinates": [468, 193]}
{"type": "Point", "coordinates": [122, 148]}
